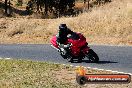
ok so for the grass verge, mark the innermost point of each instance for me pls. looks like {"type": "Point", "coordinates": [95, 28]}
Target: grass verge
{"type": "Point", "coordinates": [31, 74]}
{"type": "Point", "coordinates": [23, 74]}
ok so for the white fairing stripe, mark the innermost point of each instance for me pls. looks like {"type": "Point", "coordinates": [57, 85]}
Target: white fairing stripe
{"type": "Point", "coordinates": [54, 47]}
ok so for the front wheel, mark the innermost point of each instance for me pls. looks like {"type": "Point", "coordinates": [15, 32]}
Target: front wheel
{"type": "Point", "coordinates": [64, 56]}
{"type": "Point", "coordinates": [92, 56]}
{"type": "Point", "coordinates": [69, 58]}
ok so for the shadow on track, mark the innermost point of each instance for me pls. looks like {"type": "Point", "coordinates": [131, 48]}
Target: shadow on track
{"type": "Point", "coordinates": [106, 62]}
{"type": "Point", "coordinates": [100, 62]}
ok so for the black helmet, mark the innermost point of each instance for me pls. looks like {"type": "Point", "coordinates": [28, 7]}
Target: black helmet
{"type": "Point", "coordinates": [62, 26]}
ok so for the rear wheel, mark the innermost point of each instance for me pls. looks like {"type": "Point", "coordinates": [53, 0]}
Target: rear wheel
{"type": "Point", "coordinates": [92, 56]}
{"type": "Point", "coordinates": [80, 59]}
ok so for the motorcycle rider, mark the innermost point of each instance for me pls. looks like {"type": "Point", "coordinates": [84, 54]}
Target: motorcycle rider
{"type": "Point", "coordinates": [63, 32]}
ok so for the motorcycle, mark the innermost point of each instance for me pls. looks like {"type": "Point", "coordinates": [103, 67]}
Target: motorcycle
{"type": "Point", "coordinates": [78, 49]}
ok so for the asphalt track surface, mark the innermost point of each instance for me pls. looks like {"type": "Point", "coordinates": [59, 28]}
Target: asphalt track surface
{"type": "Point", "coordinates": [116, 58]}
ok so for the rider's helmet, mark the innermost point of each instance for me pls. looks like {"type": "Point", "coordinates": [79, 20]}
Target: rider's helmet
{"type": "Point", "coordinates": [62, 27]}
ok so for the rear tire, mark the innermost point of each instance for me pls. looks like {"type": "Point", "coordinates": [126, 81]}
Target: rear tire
{"type": "Point", "coordinates": [79, 60]}
{"type": "Point", "coordinates": [92, 56]}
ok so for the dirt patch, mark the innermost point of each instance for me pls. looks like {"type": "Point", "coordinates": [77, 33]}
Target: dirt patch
{"type": "Point", "coordinates": [15, 32]}
{"type": "Point", "coordinates": [3, 25]}
{"type": "Point", "coordinates": [1, 13]}
{"type": "Point", "coordinates": [70, 75]}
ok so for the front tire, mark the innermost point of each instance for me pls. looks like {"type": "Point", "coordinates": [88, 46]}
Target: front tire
{"type": "Point", "coordinates": [92, 56]}
{"type": "Point", "coordinates": [65, 53]}
{"type": "Point", "coordinates": [63, 56]}
{"type": "Point", "coordinates": [69, 58]}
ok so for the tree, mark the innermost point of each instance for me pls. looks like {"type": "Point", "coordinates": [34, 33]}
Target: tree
{"type": "Point", "coordinates": [58, 7]}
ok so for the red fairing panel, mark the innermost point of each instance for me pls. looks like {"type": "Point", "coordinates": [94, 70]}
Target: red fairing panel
{"type": "Point", "coordinates": [53, 41]}
{"type": "Point", "coordinates": [78, 44]}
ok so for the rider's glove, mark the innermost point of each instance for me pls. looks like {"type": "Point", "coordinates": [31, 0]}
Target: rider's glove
{"type": "Point", "coordinates": [67, 46]}
{"type": "Point", "coordinates": [64, 46]}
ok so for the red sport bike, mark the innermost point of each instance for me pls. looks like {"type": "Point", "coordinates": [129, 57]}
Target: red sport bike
{"type": "Point", "coordinates": [78, 49]}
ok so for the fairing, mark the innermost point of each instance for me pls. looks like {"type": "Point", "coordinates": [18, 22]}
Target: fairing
{"type": "Point", "coordinates": [78, 47]}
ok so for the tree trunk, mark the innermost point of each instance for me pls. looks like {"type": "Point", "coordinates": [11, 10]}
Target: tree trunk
{"type": "Point", "coordinates": [46, 8]}
{"type": "Point", "coordinates": [88, 4]}
{"type": "Point", "coordinates": [6, 6]}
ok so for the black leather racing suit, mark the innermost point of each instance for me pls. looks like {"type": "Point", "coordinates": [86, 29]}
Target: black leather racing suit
{"type": "Point", "coordinates": [62, 35]}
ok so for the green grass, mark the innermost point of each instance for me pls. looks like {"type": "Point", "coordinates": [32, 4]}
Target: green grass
{"type": "Point", "coordinates": [31, 74]}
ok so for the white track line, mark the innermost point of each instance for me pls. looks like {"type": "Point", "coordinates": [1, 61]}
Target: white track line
{"type": "Point", "coordinates": [5, 58]}
{"type": "Point", "coordinates": [97, 69]}
{"type": "Point", "coordinates": [109, 70]}
{"type": "Point", "coordinates": [104, 69]}
{"type": "Point", "coordinates": [85, 67]}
